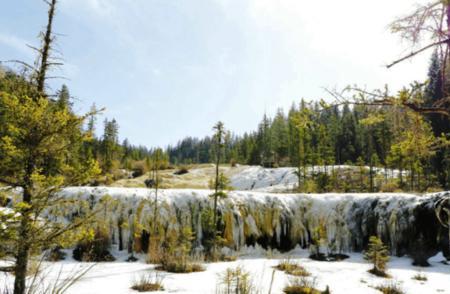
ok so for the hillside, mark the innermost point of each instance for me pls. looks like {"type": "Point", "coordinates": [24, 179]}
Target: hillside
{"type": "Point", "coordinates": [246, 177]}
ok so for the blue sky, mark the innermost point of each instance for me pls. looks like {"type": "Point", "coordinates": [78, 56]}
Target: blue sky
{"type": "Point", "coordinates": [169, 69]}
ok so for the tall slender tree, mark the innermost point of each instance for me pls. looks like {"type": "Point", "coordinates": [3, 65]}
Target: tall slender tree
{"type": "Point", "coordinates": [219, 137]}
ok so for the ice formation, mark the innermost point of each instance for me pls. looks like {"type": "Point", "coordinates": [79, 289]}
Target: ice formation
{"type": "Point", "coordinates": [283, 221]}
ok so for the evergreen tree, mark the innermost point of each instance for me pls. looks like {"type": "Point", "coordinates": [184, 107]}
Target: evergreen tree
{"type": "Point", "coordinates": [40, 152]}
{"type": "Point", "coordinates": [378, 255]}
{"type": "Point", "coordinates": [109, 145]}
{"type": "Point", "coordinates": [63, 100]}
{"type": "Point", "coordinates": [280, 140]}
{"type": "Point", "coordinates": [219, 136]}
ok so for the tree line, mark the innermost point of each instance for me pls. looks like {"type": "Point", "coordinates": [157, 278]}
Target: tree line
{"type": "Point", "coordinates": [314, 134]}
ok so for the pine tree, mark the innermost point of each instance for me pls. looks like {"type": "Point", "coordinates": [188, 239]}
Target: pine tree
{"type": "Point", "coordinates": [40, 152]}
{"type": "Point", "coordinates": [280, 140]}
{"type": "Point", "coordinates": [63, 100]}
{"type": "Point", "coordinates": [434, 89]}
{"type": "Point", "coordinates": [109, 150]}
{"type": "Point", "coordinates": [218, 192]}
{"type": "Point", "coordinates": [302, 124]}
{"type": "Point", "coordinates": [378, 255]}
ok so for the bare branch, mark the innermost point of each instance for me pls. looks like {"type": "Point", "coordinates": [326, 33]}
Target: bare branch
{"type": "Point", "coordinates": [22, 63]}
{"type": "Point", "coordinates": [417, 52]}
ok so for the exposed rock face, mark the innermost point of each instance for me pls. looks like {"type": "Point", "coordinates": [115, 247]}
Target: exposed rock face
{"type": "Point", "coordinates": [408, 224]}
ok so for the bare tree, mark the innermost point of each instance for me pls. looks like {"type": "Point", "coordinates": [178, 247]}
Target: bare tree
{"type": "Point", "coordinates": [45, 60]}
{"type": "Point", "coordinates": [427, 27]}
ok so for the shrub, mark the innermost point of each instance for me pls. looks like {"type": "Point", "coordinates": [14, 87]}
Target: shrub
{"type": "Point", "coordinates": [55, 254]}
{"type": "Point", "coordinates": [4, 200]}
{"type": "Point", "coordinates": [390, 288]}
{"type": "Point", "coordinates": [119, 174]}
{"type": "Point", "coordinates": [318, 239]}
{"type": "Point", "coordinates": [224, 183]}
{"type": "Point", "coordinates": [420, 277]}
{"type": "Point", "coordinates": [228, 258]}
{"type": "Point", "coordinates": [181, 171]}
{"type": "Point", "coordinates": [390, 186]}
{"type": "Point", "coordinates": [292, 268]}
{"type": "Point", "coordinates": [233, 162]}
{"type": "Point", "coordinates": [378, 255]}
{"type": "Point", "coordinates": [148, 283]}
{"type": "Point", "coordinates": [175, 256]}
{"type": "Point", "coordinates": [177, 267]}
{"type": "Point", "coordinates": [210, 239]}
{"type": "Point", "coordinates": [235, 280]}
{"type": "Point", "coordinates": [155, 251]}
{"type": "Point", "coordinates": [94, 249]}
{"type": "Point", "coordinates": [323, 182]}
{"type": "Point", "coordinates": [139, 169]}
{"type": "Point", "coordinates": [302, 285]}
{"type": "Point", "coordinates": [149, 183]}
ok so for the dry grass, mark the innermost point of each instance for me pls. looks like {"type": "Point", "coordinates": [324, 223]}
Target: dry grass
{"type": "Point", "coordinates": [420, 277]}
{"type": "Point", "coordinates": [180, 268]}
{"type": "Point", "coordinates": [379, 273]}
{"type": "Point", "coordinates": [229, 258]}
{"type": "Point", "coordinates": [235, 280]}
{"type": "Point", "coordinates": [148, 283]}
{"type": "Point", "coordinates": [292, 268]}
{"type": "Point", "coordinates": [197, 178]}
{"type": "Point", "coordinates": [301, 285]}
{"type": "Point", "coordinates": [390, 288]}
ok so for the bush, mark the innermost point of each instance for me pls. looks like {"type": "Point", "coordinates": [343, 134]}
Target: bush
{"type": "Point", "coordinates": [177, 267]}
{"type": "Point", "coordinates": [181, 171]}
{"type": "Point", "coordinates": [154, 254]}
{"type": "Point", "coordinates": [55, 254]}
{"type": "Point", "coordinates": [148, 283]}
{"type": "Point", "coordinates": [139, 169]}
{"type": "Point", "coordinates": [4, 200]}
{"type": "Point", "coordinates": [420, 277]}
{"type": "Point", "coordinates": [303, 285]}
{"type": "Point", "coordinates": [175, 253]}
{"type": "Point", "coordinates": [390, 288]}
{"type": "Point", "coordinates": [228, 258]}
{"type": "Point", "coordinates": [95, 249]}
{"type": "Point", "coordinates": [390, 186]}
{"type": "Point", "coordinates": [235, 280]}
{"type": "Point", "coordinates": [323, 182]}
{"type": "Point", "coordinates": [292, 268]}
{"type": "Point", "coordinates": [378, 255]}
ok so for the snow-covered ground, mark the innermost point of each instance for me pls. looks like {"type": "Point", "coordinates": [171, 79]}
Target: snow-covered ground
{"type": "Point", "coordinates": [345, 277]}
{"type": "Point", "coordinates": [284, 179]}
{"type": "Point", "coordinates": [245, 177]}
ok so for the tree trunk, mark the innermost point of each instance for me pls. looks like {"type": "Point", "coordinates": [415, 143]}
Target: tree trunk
{"type": "Point", "coordinates": [216, 188]}
{"type": "Point", "coordinates": [119, 227]}
{"type": "Point", "coordinates": [46, 47]}
{"type": "Point", "coordinates": [23, 249]}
